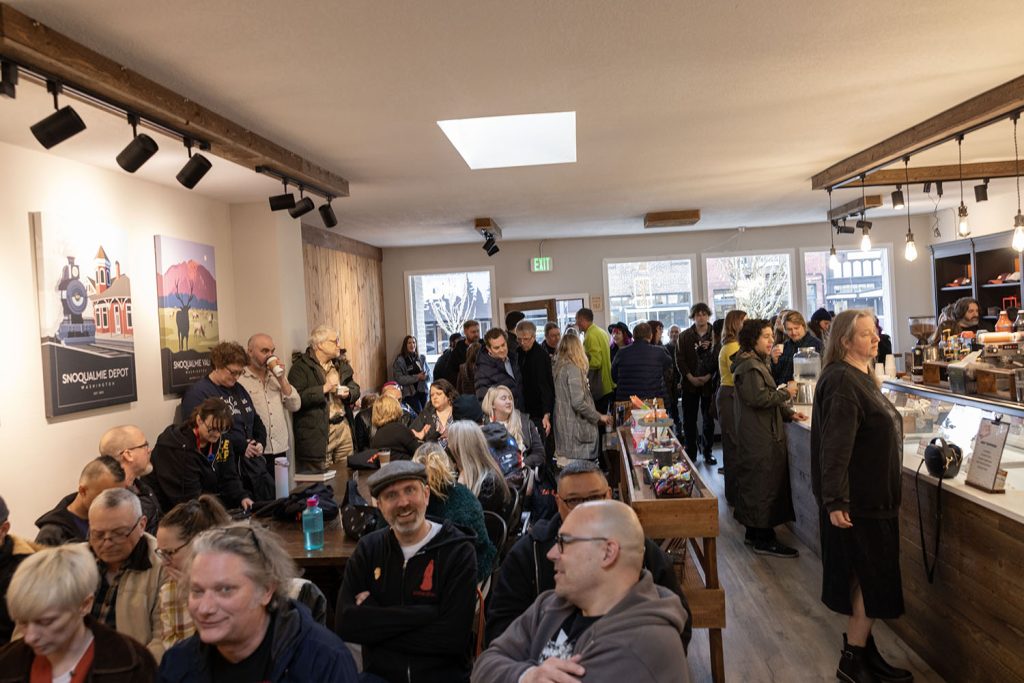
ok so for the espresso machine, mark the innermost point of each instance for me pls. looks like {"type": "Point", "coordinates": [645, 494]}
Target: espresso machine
{"type": "Point", "coordinates": [923, 328]}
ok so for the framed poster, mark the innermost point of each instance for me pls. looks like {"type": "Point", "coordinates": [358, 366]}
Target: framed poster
{"type": "Point", "coordinates": [85, 314]}
{"type": "Point", "coordinates": [186, 292]}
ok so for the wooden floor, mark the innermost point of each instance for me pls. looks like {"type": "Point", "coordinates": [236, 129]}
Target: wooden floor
{"type": "Point", "coordinates": [778, 629]}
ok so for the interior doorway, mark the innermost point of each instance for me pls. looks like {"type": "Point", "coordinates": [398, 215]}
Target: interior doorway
{"type": "Point", "coordinates": [540, 311]}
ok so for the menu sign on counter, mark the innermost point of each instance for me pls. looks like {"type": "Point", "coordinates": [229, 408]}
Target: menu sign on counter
{"type": "Point", "coordinates": [984, 472]}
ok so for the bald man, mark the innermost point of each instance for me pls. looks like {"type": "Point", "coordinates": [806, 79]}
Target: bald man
{"type": "Point", "coordinates": [266, 380]}
{"type": "Point", "coordinates": [128, 445]}
{"type": "Point", "coordinates": [68, 522]}
{"type": "Point", "coordinates": [600, 622]}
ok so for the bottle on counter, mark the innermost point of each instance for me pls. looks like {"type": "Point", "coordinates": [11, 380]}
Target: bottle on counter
{"type": "Point", "coordinates": [313, 524]}
{"type": "Point", "coordinates": [1004, 324]}
{"type": "Point", "coordinates": [1018, 323]}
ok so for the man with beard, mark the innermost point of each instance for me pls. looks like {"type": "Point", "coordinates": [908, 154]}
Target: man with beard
{"type": "Point", "coordinates": [409, 590]}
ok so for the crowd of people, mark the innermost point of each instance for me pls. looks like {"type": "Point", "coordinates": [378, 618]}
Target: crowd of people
{"type": "Point", "coordinates": [146, 576]}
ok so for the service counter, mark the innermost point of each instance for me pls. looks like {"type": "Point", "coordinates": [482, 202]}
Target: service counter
{"type": "Point", "coordinates": [969, 624]}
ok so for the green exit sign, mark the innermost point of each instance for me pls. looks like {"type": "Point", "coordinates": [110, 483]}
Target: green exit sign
{"type": "Point", "coordinates": [541, 264]}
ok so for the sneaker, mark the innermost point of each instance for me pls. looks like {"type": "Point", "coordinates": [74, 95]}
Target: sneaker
{"type": "Point", "coordinates": [710, 460]}
{"type": "Point", "coordinates": [775, 549]}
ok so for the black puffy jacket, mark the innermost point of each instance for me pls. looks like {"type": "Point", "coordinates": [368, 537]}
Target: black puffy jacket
{"type": "Point", "coordinates": [639, 370]}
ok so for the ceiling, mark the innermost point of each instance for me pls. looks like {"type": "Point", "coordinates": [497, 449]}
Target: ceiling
{"type": "Point", "coordinates": [729, 107]}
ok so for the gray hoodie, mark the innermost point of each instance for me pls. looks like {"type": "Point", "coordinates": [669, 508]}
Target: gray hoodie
{"type": "Point", "coordinates": [637, 640]}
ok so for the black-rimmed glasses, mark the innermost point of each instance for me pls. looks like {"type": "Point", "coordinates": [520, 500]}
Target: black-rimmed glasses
{"type": "Point", "coordinates": [114, 535]}
{"type": "Point", "coordinates": [573, 502]}
{"type": "Point", "coordinates": [565, 539]}
{"type": "Point", "coordinates": [167, 555]}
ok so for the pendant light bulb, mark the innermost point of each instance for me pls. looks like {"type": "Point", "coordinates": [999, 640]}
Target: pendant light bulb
{"type": "Point", "coordinates": [910, 253]}
{"type": "Point", "coordinates": [865, 241]}
{"type": "Point", "coordinates": [1018, 232]}
{"type": "Point", "coordinates": [963, 226]}
{"type": "Point", "coordinates": [833, 260]}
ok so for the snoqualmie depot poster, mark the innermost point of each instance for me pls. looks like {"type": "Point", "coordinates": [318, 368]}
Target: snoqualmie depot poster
{"type": "Point", "coordinates": [85, 314]}
{"type": "Point", "coordinates": [186, 291]}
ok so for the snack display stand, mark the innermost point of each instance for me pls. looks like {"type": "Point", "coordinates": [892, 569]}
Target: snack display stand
{"type": "Point", "coordinates": [685, 526]}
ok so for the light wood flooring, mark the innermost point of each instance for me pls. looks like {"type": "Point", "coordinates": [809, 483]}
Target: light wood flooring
{"type": "Point", "coordinates": [777, 628]}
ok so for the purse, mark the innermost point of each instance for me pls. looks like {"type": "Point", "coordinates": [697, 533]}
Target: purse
{"type": "Point", "coordinates": [943, 460]}
{"type": "Point", "coordinates": [358, 517]}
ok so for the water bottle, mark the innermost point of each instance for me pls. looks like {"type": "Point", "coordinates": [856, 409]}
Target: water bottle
{"type": "Point", "coordinates": [313, 524]}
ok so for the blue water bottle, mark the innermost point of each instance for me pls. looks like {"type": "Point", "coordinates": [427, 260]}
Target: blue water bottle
{"type": "Point", "coordinates": [313, 524]}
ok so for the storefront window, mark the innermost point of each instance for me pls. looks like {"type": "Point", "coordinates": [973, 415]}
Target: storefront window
{"type": "Point", "coordinates": [652, 289]}
{"type": "Point", "coordinates": [440, 302]}
{"type": "Point", "coordinates": [861, 280]}
{"type": "Point", "coordinates": [756, 283]}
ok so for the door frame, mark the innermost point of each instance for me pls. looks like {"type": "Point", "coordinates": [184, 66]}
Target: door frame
{"type": "Point", "coordinates": [537, 297]}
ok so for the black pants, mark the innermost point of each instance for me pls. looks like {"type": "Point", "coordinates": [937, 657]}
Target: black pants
{"type": "Point", "coordinates": [698, 405]}
{"type": "Point", "coordinates": [672, 405]}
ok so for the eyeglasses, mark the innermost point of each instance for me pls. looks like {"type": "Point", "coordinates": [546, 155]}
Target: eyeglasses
{"type": "Point", "coordinates": [144, 444]}
{"type": "Point", "coordinates": [573, 502]}
{"type": "Point", "coordinates": [213, 430]}
{"type": "Point", "coordinates": [166, 555]}
{"type": "Point", "coordinates": [565, 539]}
{"type": "Point", "coordinates": [114, 536]}
{"type": "Point", "coordinates": [235, 373]}
{"type": "Point", "coordinates": [242, 530]}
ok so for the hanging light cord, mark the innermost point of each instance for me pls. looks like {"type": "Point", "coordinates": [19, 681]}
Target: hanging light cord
{"type": "Point", "coordinates": [831, 232]}
{"type": "Point", "coordinates": [906, 175]}
{"type": "Point", "coordinates": [960, 164]}
{"type": "Point", "coordinates": [1016, 160]}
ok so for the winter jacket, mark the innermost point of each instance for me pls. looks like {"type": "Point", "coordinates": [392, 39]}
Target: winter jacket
{"type": "Point", "coordinates": [465, 381]}
{"type": "Point", "coordinates": [246, 423]}
{"type": "Point", "coordinates": [116, 659]}
{"type": "Point", "coordinates": [697, 356]}
{"type": "Point", "coordinates": [397, 437]}
{"type": "Point", "coordinates": [406, 370]}
{"type": "Point", "coordinates": [763, 497]}
{"type": "Point", "coordinates": [137, 612]}
{"type": "Point", "coordinates": [526, 572]}
{"type": "Point", "coordinates": [782, 371]}
{"type": "Point", "coordinates": [538, 382]}
{"type": "Point", "coordinates": [491, 372]}
{"type": "Point", "coordinates": [443, 367]}
{"type": "Point", "coordinates": [310, 421]}
{"type": "Point", "coordinates": [639, 370]}
{"type": "Point", "coordinates": [638, 640]}
{"type": "Point", "coordinates": [456, 361]}
{"type": "Point", "coordinates": [533, 443]}
{"type": "Point", "coordinates": [60, 525]}
{"type": "Point", "coordinates": [150, 504]}
{"type": "Point", "coordinates": [576, 418]}
{"type": "Point", "coordinates": [597, 345]}
{"type": "Point", "coordinates": [462, 509]}
{"type": "Point", "coordinates": [426, 417]}
{"type": "Point", "coordinates": [12, 551]}
{"type": "Point", "coordinates": [415, 625]}
{"type": "Point", "coordinates": [181, 472]}
{"type": "Point", "coordinates": [301, 650]}
{"type": "Point", "coordinates": [856, 445]}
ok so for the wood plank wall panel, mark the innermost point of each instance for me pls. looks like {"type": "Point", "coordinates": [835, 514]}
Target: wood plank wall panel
{"type": "Point", "coordinates": [346, 290]}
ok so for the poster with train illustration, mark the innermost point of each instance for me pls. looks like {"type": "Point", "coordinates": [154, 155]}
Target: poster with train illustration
{"type": "Point", "coordinates": [85, 313]}
{"type": "Point", "coordinates": [186, 291]}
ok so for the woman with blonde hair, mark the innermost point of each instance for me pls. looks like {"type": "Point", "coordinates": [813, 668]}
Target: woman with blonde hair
{"type": "Point", "coordinates": [724, 400]}
{"type": "Point", "coordinates": [477, 467]}
{"type": "Point", "coordinates": [499, 406]}
{"type": "Point", "coordinates": [856, 474]}
{"type": "Point", "coordinates": [392, 434]}
{"type": "Point", "coordinates": [455, 502]}
{"type": "Point", "coordinates": [576, 417]}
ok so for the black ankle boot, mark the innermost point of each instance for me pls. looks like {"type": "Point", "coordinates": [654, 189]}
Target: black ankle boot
{"type": "Point", "coordinates": [853, 666]}
{"type": "Point", "coordinates": [881, 668]}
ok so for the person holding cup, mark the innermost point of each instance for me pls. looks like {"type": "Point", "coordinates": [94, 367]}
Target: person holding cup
{"type": "Point", "coordinates": [273, 397]}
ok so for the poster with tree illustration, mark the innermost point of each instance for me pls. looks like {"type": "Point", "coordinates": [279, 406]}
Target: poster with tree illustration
{"type": "Point", "coordinates": [186, 291]}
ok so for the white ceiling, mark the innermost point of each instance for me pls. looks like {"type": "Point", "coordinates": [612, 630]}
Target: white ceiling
{"type": "Point", "coordinates": [725, 106]}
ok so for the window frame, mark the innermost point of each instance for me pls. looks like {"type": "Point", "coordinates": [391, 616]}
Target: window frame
{"type": "Point", "coordinates": [796, 296]}
{"type": "Point", "coordinates": [407, 283]}
{"type": "Point", "coordinates": [695, 292]}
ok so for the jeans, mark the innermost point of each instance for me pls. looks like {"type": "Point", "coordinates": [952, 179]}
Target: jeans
{"type": "Point", "coordinates": [694, 405]}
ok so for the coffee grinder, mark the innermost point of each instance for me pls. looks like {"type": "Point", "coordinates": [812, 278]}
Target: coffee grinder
{"type": "Point", "coordinates": [923, 328]}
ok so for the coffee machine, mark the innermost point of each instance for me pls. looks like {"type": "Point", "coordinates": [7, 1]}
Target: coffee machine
{"type": "Point", "coordinates": [923, 328]}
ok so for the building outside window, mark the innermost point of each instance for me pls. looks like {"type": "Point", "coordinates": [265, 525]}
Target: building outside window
{"type": "Point", "coordinates": [861, 280]}
{"type": "Point", "coordinates": [651, 289]}
{"type": "Point", "coordinates": [440, 302]}
{"type": "Point", "coordinates": [760, 284]}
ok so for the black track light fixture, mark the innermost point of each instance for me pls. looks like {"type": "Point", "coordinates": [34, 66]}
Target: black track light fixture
{"type": "Point", "coordinates": [302, 207]}
{"type": "Point", "coordinates": [60, 125]}
{"type": "Point", "coordinates": [194, 169]}
{"type": "Point", "coordinates": [938, 188]}
{"type": "Point", "coordinates": [927, 187]}
{"type": "Point", "coordinates": [488, 244]}
{"type": "Point", "coordinates": [280, 202]}
{"type": "Point", "coordinates": [139, 150]}
{"type": "Point", "coordinates": [493, 250]}
{"type": "Point", "coordinates": [981, 191]}
{"type": "Point", "coordinates": [897, 198]}
{"type": "Point", "coordinates": [327, 214]}
{"type": "Point", "coordinates": [8, 79]}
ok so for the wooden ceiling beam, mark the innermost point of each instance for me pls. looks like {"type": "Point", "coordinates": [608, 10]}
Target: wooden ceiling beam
{"type": "Point", "coordinates": [35, 46]}
{"type": "Point", "coordinates": [856, 206]}
{"type": "Point", "coordinates": [977, 112]}
{"type": "Point", "coordinates": [946, 173]}
{"type": "Point", "coordinates": [672, 219]}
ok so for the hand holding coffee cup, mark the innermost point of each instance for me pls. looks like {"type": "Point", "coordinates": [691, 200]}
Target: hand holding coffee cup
{"type": "Point", "coordinates": [791, 388]}
{"type": "Point", "coordinates": [384, 456]}
{"type": "Point", "coordinates": [275, 365]}
{"type": "Point", "coordinates": [776, 352]}
{"type": "Point", "coordinates": [343, 391]}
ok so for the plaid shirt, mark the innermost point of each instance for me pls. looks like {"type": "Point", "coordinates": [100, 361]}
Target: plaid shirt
{"type": "Point", "coordinates": [104, 607]}
{"type": "Point", "coordinates": [175, 621]}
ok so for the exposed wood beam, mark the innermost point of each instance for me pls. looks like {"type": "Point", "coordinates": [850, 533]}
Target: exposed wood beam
{"type": "Point", "coordinates": [858, 205]}
{"type": "Point", "coordinates": [482, 225]}
{"type": "Point", "coordinates": [947, 173]}
{"type": "Point", "coordinates": [38, 47]}
{"type": "Point", "coordinates": [974, 113]}
{"type": "Point", "coordinates": [671, 219]}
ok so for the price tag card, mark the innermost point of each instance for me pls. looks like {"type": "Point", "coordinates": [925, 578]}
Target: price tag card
{"type": "Point", "coordinates": [922, 446]}
{"type": "Point", "coordinates": [988, 455]}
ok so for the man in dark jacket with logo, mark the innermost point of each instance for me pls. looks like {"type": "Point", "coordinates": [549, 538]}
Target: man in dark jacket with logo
{"type": "Point", "coordinates": [494, 366]}
{"type": "Point", "coordinates": [526, 572]}
{"type": "Point", "coordinates": [323, 424]}
{"type": "Point", "coordinates": [409, 591]}
{"type": "Point", "coordinates": [640, 368]}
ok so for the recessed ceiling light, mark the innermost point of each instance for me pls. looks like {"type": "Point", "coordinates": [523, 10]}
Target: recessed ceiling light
{"type": "Point", "coordinates": [519, 140]}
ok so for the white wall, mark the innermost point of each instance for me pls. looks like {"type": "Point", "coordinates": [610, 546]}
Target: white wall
{"type": "Point", "coordinates": [578, 264]}
{"type": "Point", "coordinates": [41, 459]}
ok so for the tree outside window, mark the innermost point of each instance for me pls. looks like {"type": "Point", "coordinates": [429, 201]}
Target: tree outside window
{"type": "Point", "coordinates": [757, 283]}
{"type": "Point", "coordinates": [441, 302]}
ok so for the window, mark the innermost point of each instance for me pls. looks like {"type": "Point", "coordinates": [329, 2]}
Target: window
{"type": "Point", "coordinates": [861, 280]}
{"type": "Point", "coordinates": [128, 314]}
{"type": "Point", "coordinates": [440, 302]}
{"type": "Point", "coordinates": [759, 284]}
{"type": "Point", "coordinates": [653, 289]}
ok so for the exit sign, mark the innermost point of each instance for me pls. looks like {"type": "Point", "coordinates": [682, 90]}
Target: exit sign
{"type": "Point", "coordinates": [541, 264]}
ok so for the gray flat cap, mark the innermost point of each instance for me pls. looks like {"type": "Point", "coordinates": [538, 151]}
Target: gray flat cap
{"type": "Point", "coordinates": [395, 471]}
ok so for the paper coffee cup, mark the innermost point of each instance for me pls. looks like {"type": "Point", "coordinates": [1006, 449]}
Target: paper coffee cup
{"type": "Point", "coordinates": [384, 456]}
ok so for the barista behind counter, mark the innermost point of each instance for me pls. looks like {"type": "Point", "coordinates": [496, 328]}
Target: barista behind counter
{"type": "Point", "coordinates": [962, 315]}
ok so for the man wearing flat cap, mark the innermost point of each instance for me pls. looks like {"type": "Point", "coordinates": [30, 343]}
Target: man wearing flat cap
{"type": "Point", "coordinates": [409, 590]}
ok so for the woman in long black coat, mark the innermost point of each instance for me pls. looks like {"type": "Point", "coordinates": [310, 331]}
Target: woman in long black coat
{"type": "Point", "coordinates": [856, 473]}
{"type": "Point", "coordinates": [763, 499]}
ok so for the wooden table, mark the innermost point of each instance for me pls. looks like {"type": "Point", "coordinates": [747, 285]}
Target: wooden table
{"type": "Point", "coordinates": [688, 526]}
